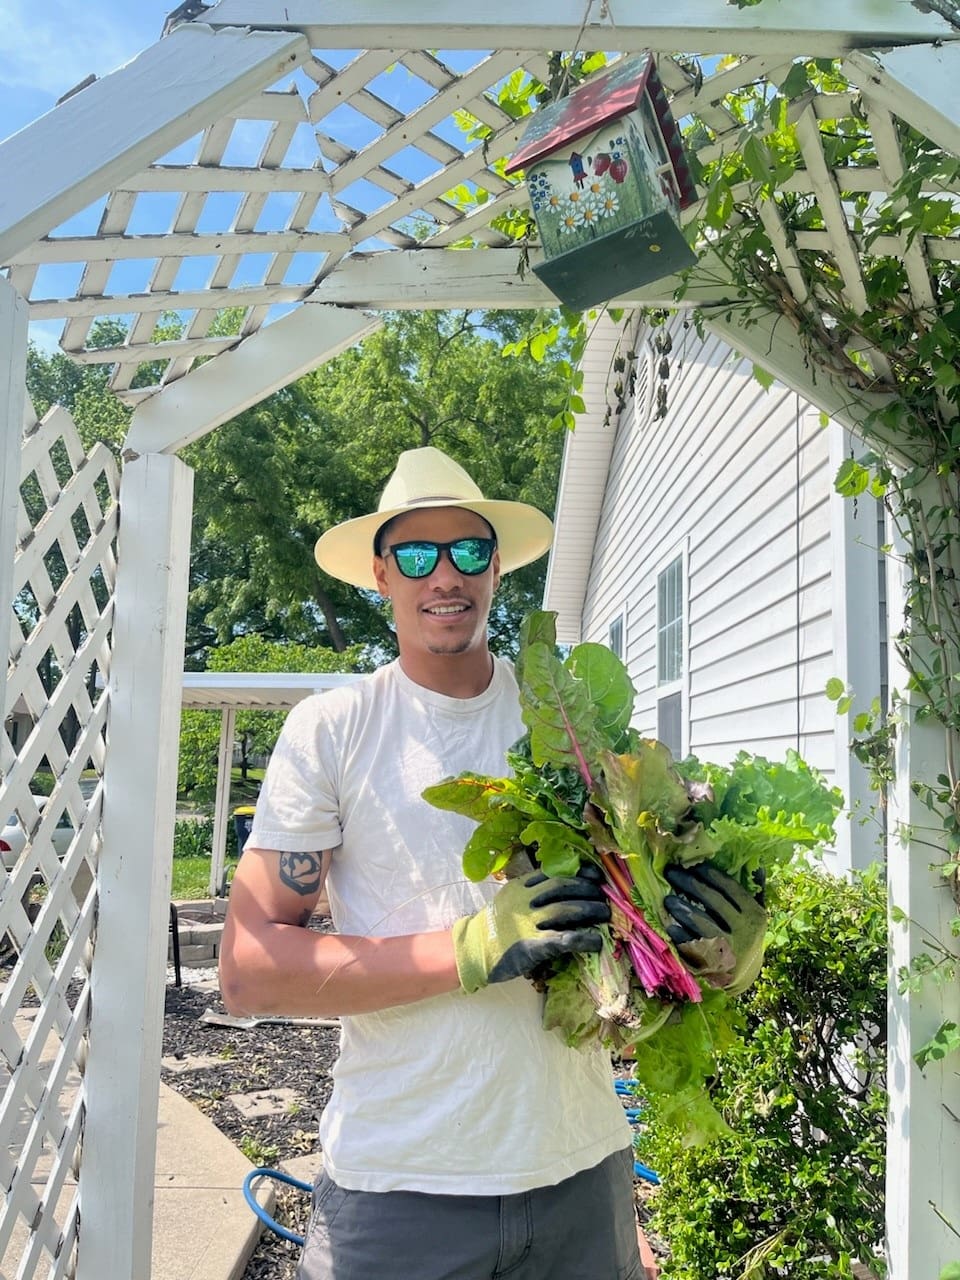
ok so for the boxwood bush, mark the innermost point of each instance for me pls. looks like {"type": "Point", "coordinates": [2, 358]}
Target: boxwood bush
{"type": "Point", "coordinates": [796, 1187]}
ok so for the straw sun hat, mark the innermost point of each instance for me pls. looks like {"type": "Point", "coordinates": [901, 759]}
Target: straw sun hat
{"type": "Point", "coordinates": [428, 478]}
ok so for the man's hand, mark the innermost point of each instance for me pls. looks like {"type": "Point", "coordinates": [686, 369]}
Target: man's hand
{"type": "Point", "coordinates": [532, 919]}
{"type": "Point", "coordinates": [720, 923]}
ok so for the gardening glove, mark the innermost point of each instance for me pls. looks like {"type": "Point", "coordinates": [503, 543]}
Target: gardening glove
{"type": "Point", "coordinates": [718, 925]}
{"type": "Point", "coordinates": [531, 919]}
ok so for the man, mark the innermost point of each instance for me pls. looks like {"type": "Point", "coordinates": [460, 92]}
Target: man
{"type": "Point", "coordinates": [461, 1141]}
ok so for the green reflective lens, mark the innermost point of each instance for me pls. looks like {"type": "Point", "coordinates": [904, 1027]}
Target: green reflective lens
{"type": "Point", "coordinates": [470, 556]}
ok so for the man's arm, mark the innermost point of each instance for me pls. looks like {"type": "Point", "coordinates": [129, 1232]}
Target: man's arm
{"type": "Point", "coordinates": [270, 963]}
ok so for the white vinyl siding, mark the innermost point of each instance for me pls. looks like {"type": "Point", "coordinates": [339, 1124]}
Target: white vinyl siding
{"type": "Point", "coordinates": [739, 476]}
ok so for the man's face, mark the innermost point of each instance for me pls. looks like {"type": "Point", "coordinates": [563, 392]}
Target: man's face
{"type": "Point", "coordinates": [445, 612]}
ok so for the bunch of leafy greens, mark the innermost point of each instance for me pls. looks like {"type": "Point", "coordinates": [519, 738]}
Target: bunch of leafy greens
{"type": "Point", "coordinates": [587, 789]}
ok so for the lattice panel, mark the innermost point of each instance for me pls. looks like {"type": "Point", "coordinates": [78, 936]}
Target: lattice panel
{"type": "Point", "coordinates": [260, 207]}
{"type": "Point", "coordinates": [372, 152]}
{"type": "Point", "coordinates": [53, 739]}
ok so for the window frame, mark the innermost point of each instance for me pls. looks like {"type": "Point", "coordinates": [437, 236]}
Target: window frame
{"type": "Point", "coordinates": [679, 684]}
{"type": "Point", "coordinates": [618, 619]}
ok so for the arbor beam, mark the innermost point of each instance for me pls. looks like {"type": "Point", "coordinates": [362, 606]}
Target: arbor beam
{"type": "Point", "coordinates": [920, 84]}
{"type": "Point", "coordinates": [818, 28]}
{"type": "Point", "coordinates": [113, 129]}
{"type": "Point", "coordinates": [265, 362]}
{"type": "Point", "coordinates": [485, 279]}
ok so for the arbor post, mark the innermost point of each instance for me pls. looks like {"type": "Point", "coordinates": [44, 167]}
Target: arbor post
{"type": "Point", "coordinates": [139, 800]}
{"type": "Point", "coordinates": [923, 1137]}
{"type": "Point", "coordinates": [13, 341]}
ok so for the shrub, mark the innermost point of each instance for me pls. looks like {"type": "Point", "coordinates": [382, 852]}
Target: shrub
{"type": "Point", "coordinates": [796, 1188]}
{"type": "Point", "coordinates": [192, 837]}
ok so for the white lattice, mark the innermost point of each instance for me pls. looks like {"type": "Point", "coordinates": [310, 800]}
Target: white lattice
{"type": "Point", "coordinates": [54, 732]}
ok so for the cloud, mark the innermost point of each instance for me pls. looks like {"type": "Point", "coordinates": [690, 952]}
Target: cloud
{"type": "Point", "coordinates": [52, 47]}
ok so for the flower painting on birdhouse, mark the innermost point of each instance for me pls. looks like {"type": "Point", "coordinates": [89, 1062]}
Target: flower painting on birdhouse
{"type": "Point", "coordinates": [607, 178]}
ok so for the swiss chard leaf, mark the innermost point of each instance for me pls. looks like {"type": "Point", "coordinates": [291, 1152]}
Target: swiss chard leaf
{"type": "Point", "coordinates": [559, 850]}
{"type": "Point", "coordinates": [539, 627]}
{"type": "Point", "coordinates": [557, 710]}
{"type": "Point", "coordinates": [609, 687]}
{"type": "Point", "coordinates": [474, 795]}
{"type": "Point", "coordinates": [493, 844]}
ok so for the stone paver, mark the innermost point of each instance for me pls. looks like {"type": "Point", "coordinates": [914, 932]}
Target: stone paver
{"type": "Point", "coordinates": [191, 1062]}
{"type": "Point", "coordinates": [265, 1102]}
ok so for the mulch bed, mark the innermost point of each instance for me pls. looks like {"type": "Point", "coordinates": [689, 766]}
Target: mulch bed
{"type": "Point", "coordinates": [265, 1057]}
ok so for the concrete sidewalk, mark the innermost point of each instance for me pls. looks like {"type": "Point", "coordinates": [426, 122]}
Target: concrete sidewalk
{"type": "Point", "coordinates": [203, 1228]}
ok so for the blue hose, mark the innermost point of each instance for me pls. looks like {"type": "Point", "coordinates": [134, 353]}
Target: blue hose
{"type": "Point", "coordinates": [259, 1210]}
{"type": "Point", "coordinates": [627, 1089]}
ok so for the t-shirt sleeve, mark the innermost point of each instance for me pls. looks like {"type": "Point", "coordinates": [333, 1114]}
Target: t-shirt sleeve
{"type": "Point", "coordinates": [298, 808]}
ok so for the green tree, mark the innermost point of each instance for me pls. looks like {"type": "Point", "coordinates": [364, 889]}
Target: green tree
{"type": "Point", "coordinates": [320, 451]}
{"type": "Point", "coordinates": [82, 389]}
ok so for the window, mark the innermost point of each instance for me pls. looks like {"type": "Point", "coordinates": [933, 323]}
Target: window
{"type": "Point", "coordinates": [615, 637]}
{"type": "Point", "coordinates": [670, 656]}
{"type": "Point", "coordinates": [670, 622]}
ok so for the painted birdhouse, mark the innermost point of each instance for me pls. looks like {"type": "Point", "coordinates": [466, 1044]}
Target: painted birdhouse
{"type": "Point", "coordinates": [607, 179]}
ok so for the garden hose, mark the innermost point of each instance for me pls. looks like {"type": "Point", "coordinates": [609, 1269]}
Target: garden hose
{"type": "Point", "coordinates": [258, 1208]}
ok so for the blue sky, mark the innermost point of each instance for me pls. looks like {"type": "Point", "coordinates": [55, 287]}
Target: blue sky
{"type": "Point", "coordinates": [48, 46]}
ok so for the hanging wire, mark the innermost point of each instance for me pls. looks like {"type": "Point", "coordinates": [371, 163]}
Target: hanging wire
{"type": "Point", "coordinates": [604, 16]}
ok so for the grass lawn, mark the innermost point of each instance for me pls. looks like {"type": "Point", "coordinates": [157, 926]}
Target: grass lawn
{"type": "Point", "coordinates": [191, 877]}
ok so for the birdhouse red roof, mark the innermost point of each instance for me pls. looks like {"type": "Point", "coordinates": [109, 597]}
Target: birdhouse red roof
{"type": "Point", "coordinates": [598, 101]}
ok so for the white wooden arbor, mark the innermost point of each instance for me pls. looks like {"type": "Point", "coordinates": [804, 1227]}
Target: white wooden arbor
{"type": "Point", "coordinates": [274, 156]}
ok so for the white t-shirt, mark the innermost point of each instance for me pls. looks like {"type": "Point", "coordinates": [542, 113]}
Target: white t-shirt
{"type": "Point", "coordinates": [456, 1094]}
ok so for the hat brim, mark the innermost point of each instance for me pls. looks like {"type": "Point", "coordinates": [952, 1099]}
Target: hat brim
{"type": "Point", "coordinates": [346, 551]}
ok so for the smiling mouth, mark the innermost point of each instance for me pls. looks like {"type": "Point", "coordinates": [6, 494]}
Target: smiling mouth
{"type": "Point", "coordinates": [446, 610]}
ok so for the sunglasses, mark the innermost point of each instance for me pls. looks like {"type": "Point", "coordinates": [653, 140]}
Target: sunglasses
{"type": "Point", "coordinates": [469, 556]}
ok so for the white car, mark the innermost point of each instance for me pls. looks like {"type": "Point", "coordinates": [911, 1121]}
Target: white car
{"type": "Point", "coordinates": [13, 837]}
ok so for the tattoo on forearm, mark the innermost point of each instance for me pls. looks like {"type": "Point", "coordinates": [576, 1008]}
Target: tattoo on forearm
{"type": "Point", "coordinates": [301, 872]}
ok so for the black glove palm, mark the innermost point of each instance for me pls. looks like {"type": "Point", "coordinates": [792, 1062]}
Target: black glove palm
{"type": "Point", "coordinates": [718, 925]}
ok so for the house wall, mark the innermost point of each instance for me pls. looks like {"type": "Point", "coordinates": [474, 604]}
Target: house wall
{"type": "Point", "coordinates": [738, 480]}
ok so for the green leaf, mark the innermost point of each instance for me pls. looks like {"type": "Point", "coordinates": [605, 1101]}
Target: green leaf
{"type": "Point", "coordinates": [757, 158]}
{"type": "Point", "coordinates": [765, 379]}
{"type": "Point", "coordinates": [950, 1272]}
{"type": "Point", "coordinates": [493, 844]}
{"type": "Point", "coordinates": [719, 205]}
{"type": "Point", "coordinates": [835, 688]}
{"type": "Point", "coordinates": [557, 710]}
{"type": "Point", "coordinates": [851, 479]}
{"type": "Point", "coordinates": [559, 849]}
{"type": "Point", "coordinates": [608, 685]}
{"type": "Point", "coordinates": [796, 82]}
{"type": "Point", "coordinates": [539, 627]}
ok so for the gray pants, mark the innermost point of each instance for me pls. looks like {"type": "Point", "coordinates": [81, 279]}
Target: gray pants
{"type": "Point", "coordinates": [581, 1229]}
